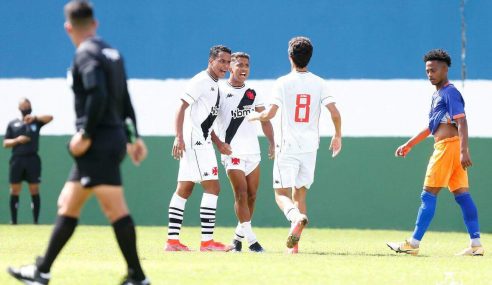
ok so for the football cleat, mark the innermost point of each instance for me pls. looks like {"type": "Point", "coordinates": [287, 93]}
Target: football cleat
{"type": "Point", "coordinates": [403, 247]}
{"type": "Point", "coordinates": [295, 232]}
{"type": "Point", "coordinates": [212, 245]}
{"type": "Point", "coordinates": [130, 281]}
{"type": "Point", "coordinates": [294, 250]}
{"type": "Point", "coordinates": [237, 246]}
{"type": "Point", "coordinates": [472, 251]}
{"type": "Point", "coordinates": [30, 275]}
{"type": "Point", "coordinates": [256, 247]}
{"type": "Point", "coordinates": [175, 245]}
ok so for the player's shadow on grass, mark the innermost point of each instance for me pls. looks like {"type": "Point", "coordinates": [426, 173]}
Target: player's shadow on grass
{"type": "Point", "coordinates": [357, 254]}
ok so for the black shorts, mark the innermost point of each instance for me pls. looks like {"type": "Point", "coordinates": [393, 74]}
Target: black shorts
{"type": "Point", "coordinates": [100, 165]}
{"type": "Point", "coordinates": [25, 168]}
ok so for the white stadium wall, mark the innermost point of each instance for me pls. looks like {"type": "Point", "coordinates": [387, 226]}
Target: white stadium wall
{"type": "Point", "coordinates": [374, 108]}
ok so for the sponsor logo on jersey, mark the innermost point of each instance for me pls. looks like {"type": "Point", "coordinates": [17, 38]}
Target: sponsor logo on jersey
{"type": "Point", "coordinates": [235, 161]}
{"type": "Point", "coordinates": [212, 88]}
{"type": "Point", "coordinates": [33, 127]}
{"type": "Point", "coordinates": [198, 143]}
{"type": "Point", "coordinates": [229, 95]}
{"type": "Point", "coordinates": [205, 174]}
{"type": "Point", "coordinates": [241, 113]}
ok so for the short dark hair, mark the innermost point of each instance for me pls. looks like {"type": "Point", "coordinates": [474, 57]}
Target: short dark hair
{"type": "Point", "coordinates": [79, 13]}
{"type": "Point", "coordinates": [215, 50]}
{"type": "Point", "coordinates": [439, 55]}
{"type": "Point", "coordinates": [300, 50]}
{"type": "Point", "coordinates": [239, 54]}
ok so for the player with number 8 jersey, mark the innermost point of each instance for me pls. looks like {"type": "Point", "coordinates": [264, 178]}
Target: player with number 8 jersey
{"type": "Point", "coordinates": [300, 96]}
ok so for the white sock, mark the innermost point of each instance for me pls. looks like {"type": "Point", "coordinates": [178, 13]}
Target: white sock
{"type": "Point", "coordinates": [248, 232]}
{"type": "Point", "coordinates": [475, 242]}
{"type": "Point", "coordinates": [208, 207]}
{"type": "Point", "coordinates": [292, 214]}
{"type": "Point", "coordinates": [176, 211]}
{"type": "Point", "coordinates": [414, 242]}
{"type": "Point", "coordinates": [238, 233]}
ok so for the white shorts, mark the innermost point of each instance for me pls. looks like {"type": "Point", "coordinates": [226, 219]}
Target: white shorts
{"type": "Point", "coordinates": [246, 163]}
{"type": "Point", "coordinates": [198, 165]}
{"type": "Point", "coordinates": [294, 170]}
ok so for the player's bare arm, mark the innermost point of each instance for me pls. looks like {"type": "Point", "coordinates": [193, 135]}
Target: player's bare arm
{"type": "Point", "coordinates": [45, 119]}
{"type": "Point", "coordinates": [266, 115]}
{"type": "Point", "coordinates": [267, 129]}
{"type": "Point", "coordinates": [405, 148]}
{"type": "Point", "coordinates": [463, 134]}
{"type": "Point", "coordinates": [224, 148]}
{"type": "Point", "coordinates": [8, 143]}
{"type": "Point", "coordinates": [179, 145]}
{"type": "Point", "coordinates": [137, 151]}
{"type": "Point", "coordinates": [336, 140]}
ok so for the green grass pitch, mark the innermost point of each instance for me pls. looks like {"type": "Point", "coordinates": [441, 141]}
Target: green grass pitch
{"type": "Point", "coordinates": [328, 256]}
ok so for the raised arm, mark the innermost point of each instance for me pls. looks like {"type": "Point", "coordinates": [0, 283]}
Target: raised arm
{"type": "Point", "coordinates": [43, 119]}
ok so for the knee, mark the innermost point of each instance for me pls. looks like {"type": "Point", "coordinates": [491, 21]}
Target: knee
{"type": "Point", "coordinates": [241, 195]}
{"type": "Point", "coordinates": [15, 190]}
{"type": "Point", "coordinates": [34, 190]}
{"type": "Point", "coordinates": [251, 197]}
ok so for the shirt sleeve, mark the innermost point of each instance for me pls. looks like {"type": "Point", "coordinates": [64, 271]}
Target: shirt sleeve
{"type": "Point", "coordinates": [8, 133]}
{"type": "Point", "coordinates": [259, 100]}
{"type": "Point", "coordinates": [326, 97]}
{"type": "Point", "coordinates": [455, 104]}
{"type": "Point", "coordinates": [277, 91]}
{"type": "Point", "coordinates": [192, 92]}
{"type": "Point", "coordinates": [94, 83]}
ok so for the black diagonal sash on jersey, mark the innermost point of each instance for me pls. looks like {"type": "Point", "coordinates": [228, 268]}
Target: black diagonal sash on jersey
{"type": "Point", "coordinates": [207, 124]}
{"type": "Point", "coordinates": [248, 99]}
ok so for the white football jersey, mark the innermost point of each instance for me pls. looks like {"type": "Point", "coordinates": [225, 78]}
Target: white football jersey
{"type": "Point", "coordinates": [202, 93]}
{"type": "Point", "coordinates": [300, 96]}
{"type": "Point", "coordinates": [232, 126]}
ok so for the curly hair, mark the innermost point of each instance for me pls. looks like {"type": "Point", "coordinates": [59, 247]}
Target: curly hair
{"type": "Point", "coordinates": [300, 50]}
{"type": "Point", "coordinates": [439, 55]}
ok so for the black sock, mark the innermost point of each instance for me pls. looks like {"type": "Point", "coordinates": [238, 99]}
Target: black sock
{"type": "Point", "coordinates": [36, 206]}
{"type": "Point", "coordinates": [124, 230]}
{"type": "Point", "coordinates": [64, 228]}
{"type": "Point", "coordinates": [14, 205]}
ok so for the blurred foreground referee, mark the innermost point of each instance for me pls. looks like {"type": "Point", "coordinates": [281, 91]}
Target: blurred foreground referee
{"type": "Point", "coordinates": [102, 106]}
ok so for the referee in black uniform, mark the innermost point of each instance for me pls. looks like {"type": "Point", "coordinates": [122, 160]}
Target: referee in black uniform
{"type": "Point", "coordinates": [106, 129]}
{"type": "Point", "coordinates": [22, 136]}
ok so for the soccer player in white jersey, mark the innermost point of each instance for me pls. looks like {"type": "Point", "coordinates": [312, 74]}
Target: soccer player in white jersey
{"type": "Point", "coordinates": [194, 150]}
{"type": "Point", "coordinates": [237, 140]}
{"type": "Point", "coordinates": [300, 96]}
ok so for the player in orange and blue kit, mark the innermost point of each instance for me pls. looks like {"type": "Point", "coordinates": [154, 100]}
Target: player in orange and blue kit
{"type": "Point", "coordinates": [450, 160]}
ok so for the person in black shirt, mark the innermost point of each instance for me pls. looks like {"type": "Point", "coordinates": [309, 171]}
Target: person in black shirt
{"type": "Point", "coordinates": [22, 136]}
{"type": "Point", "coordinates": [106, 129]}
